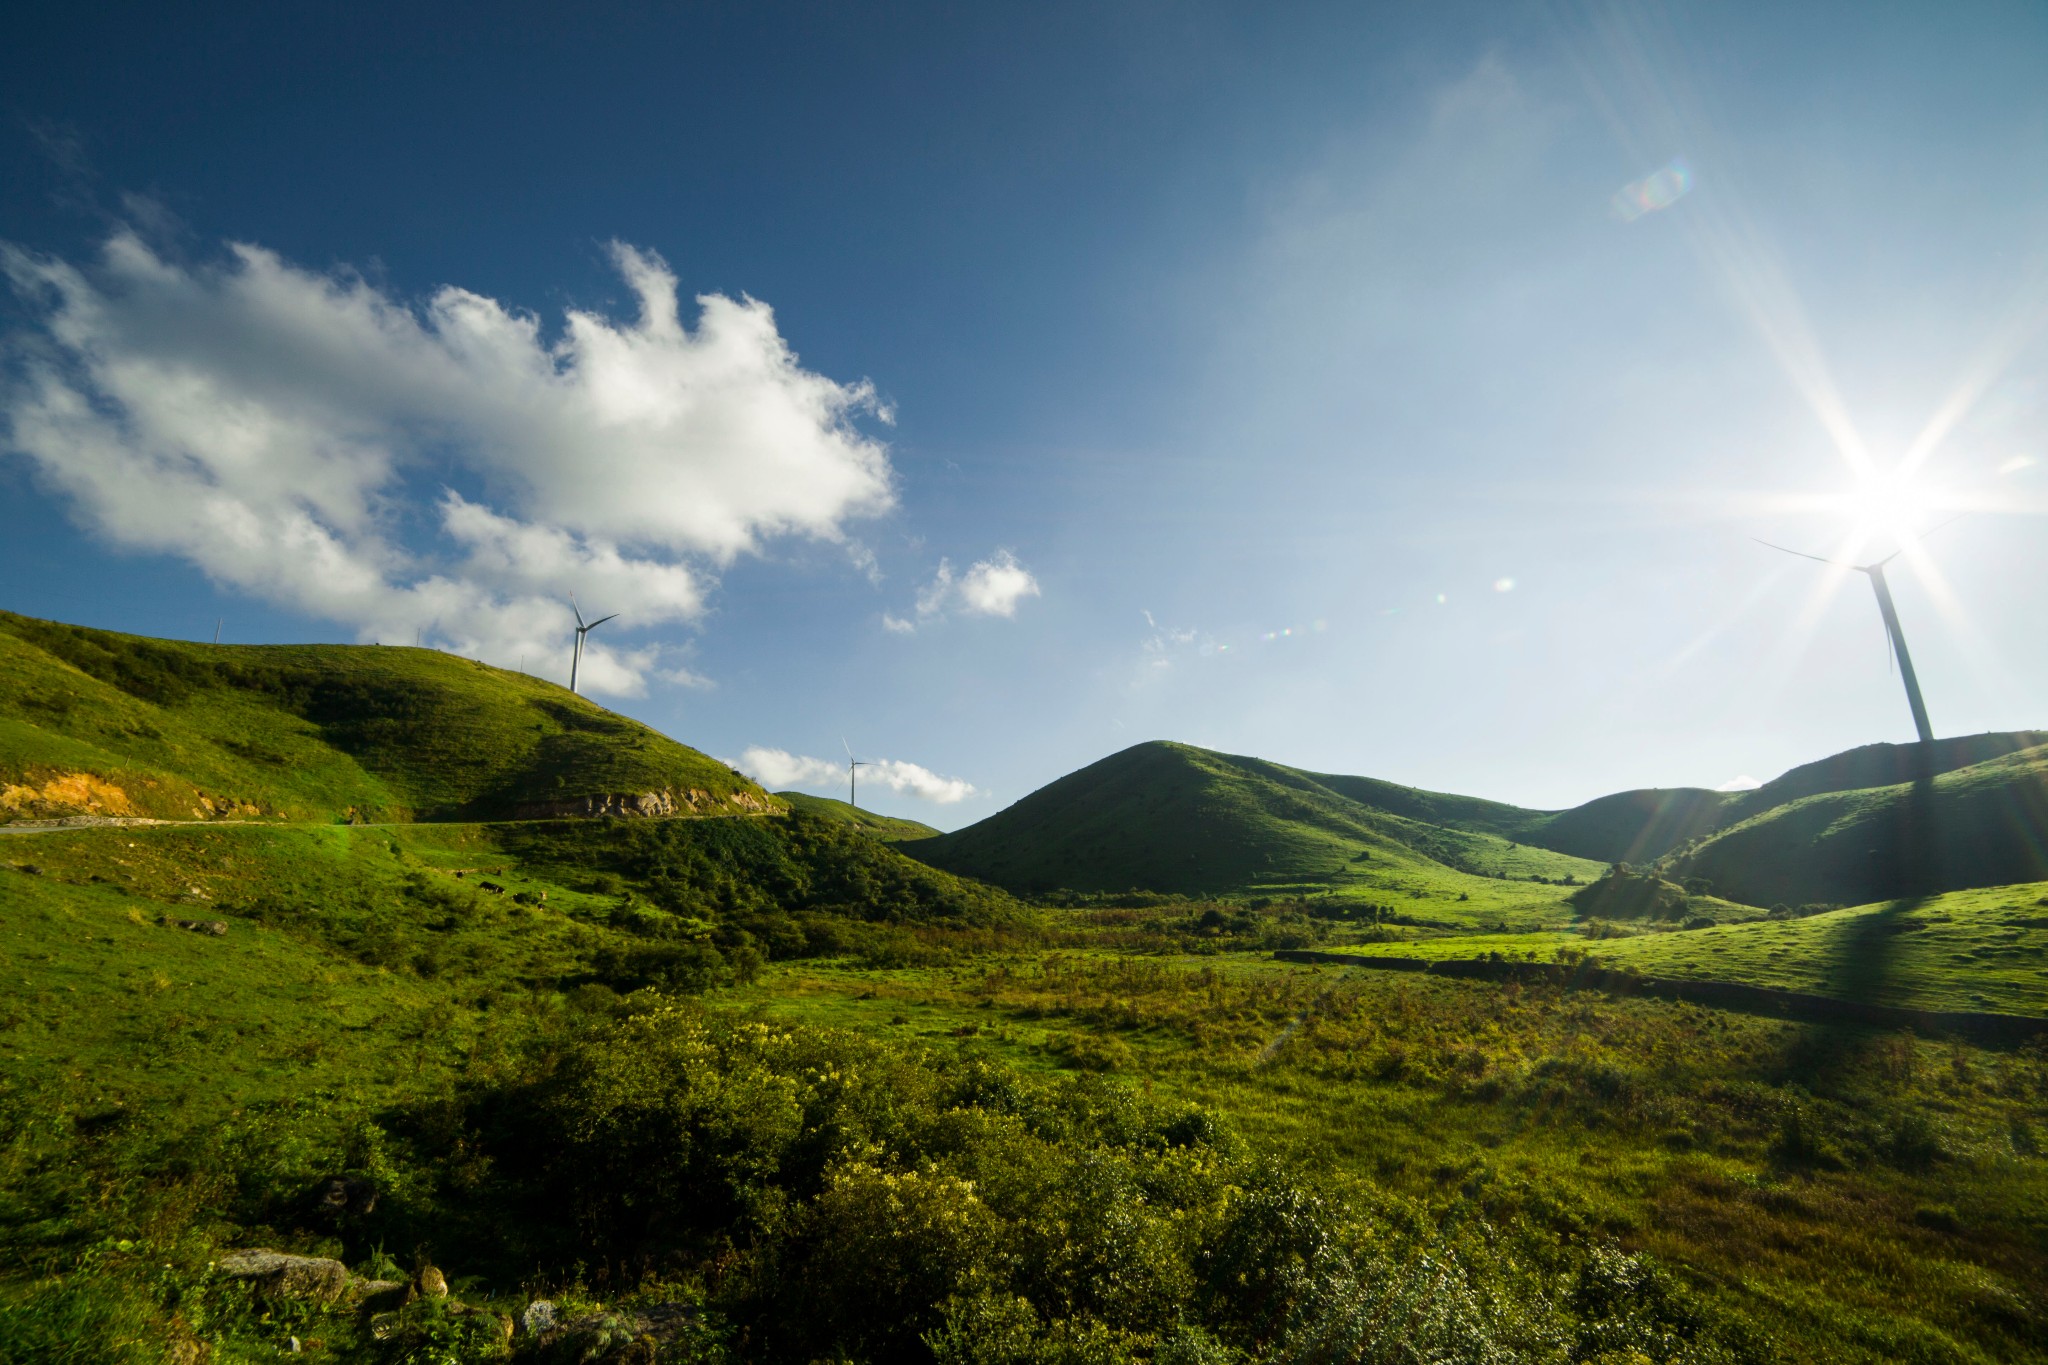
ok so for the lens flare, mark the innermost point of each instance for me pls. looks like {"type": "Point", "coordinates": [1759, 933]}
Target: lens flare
{"type": "Point", "coordinates": [1660, 189]}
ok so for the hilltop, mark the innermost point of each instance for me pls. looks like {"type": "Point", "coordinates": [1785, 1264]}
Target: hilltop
{"type": "Point", "coordinates": [97, 723]}
{"type": "Point", "coordinates": [1171, 817]}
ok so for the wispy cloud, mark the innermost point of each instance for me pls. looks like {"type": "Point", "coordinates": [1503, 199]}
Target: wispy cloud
{"type": "Point", "coordinates": [1166, 643]}
{"type": "Point", "coordinates": [284, 428]}
{"type": "Point", "coordinates": [778, 770]}
{"type": "Point", "coordinates": [991, 587]}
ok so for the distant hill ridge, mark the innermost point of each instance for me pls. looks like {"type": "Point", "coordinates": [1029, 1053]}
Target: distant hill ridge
{"type": "Point", "coordinates": [98, 723]}
{"type": "Point", "coordinates": [1172, 817]}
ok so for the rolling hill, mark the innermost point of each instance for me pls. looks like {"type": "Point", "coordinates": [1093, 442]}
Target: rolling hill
{"type": "Point", "coordinates": [1171, 817]}
{"type": "Point", "coordinates": [886, 827]}
{"type": "Point", "coordinates": [1980, 824]}
{"type": "Point", "coordinates": [95, 723]}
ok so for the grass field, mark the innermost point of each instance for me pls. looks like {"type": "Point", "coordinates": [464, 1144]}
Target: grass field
{"type": "Point", "coordinates": [1812, 1193]}
{"type": "Point", "coordinates": [1964, 950]}
{"type": "Point", "coordinates": [1558, 1115]}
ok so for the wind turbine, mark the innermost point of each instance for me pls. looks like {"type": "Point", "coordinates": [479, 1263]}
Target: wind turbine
{"type": "Point", "coordinates": [852, 763]}
{"type": "Point", "coordinates": [582, 630]}
{"type": "Point", "coordinates": [1875, 573]}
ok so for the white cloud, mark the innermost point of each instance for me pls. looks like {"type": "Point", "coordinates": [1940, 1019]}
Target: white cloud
{"type": "Point", "coordinates": [272, 425]}
{"type": "Point", "coordinates": [779, 770]}
{"type": "Point", "coordinates": [1744, 783]}
{"type": "Point", "coordinates": [990, 587]}
{"type": "Point", "coordinates": [996, 585]}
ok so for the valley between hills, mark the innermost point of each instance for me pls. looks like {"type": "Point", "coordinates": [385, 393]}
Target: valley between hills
{"type": "Point", "coordinates": [376, 1004]}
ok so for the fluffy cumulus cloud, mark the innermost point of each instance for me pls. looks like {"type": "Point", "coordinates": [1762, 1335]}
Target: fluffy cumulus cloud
{"type": "Point", "coordinates": [991, 587]}
{"type": "Point", "coordinates": [780, 770]}
{"type": "Point", "coordinates": [277, 427]}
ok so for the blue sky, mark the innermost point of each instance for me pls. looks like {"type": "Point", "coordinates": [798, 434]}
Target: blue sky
{"type": "Point", "coordinates": [1301, 381]}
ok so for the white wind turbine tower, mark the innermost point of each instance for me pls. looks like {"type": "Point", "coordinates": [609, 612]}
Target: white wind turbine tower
{"type": "Point", "coordinates": [1874, 571]}
{"type": "Point", "coordinates": [576, 658]}
{"type": "Point", "coordinates": [852, 764]}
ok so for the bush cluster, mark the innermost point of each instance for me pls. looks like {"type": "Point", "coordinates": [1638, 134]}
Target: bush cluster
{"type": "Point", "coordinates": [829, 1196]}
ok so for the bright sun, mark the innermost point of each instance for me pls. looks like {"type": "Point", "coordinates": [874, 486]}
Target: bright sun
{"type": "Point", "coordinates": [1890, 507]}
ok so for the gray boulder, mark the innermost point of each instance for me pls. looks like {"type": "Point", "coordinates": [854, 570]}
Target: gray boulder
{"type": "Point", "coordinates": [287, 1276]}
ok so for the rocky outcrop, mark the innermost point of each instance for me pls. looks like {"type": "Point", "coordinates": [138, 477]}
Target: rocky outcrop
{"type": "Point", "coordinates": [319, 1278]}
{"type": "Point", "coordinates": [63, 794]}
{"type": "Point", "coordinates": [224, 808]}
{"type": "Point", "coordinates": [666, 803]}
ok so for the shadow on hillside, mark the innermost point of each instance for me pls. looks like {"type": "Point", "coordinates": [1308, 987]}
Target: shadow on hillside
{"type": "Point", "coordinates": [1905, 866]}
{"type": "Point", "coordinates": [1906, 863]}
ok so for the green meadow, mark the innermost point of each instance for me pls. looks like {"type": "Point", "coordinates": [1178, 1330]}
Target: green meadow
{"type": "Point", "coordinates": [794, 1082]}
{"type": "Point", "coordinates": [1963, 950]}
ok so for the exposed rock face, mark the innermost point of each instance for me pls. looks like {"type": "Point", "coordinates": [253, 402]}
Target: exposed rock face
{"type": "Point", "coordinates": [63, 794]}
{"type": "Point", "coordinates": [665, 803]}
{"type": "Point", "coordinates": [224, 808]}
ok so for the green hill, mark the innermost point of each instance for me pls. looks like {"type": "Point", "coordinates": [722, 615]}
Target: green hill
{"type": "Point", "coordinates": [1645, 825]}
{"type": "Point", "coordinates": [1170, 817]}
{"type": "Point", "coordinates": [1985, 824]}
{"type": "Point", "coordinates": [889, 827]}
{"type": "Point", "coordinates": [1173, 818]}
{"type": "Point", "coordinates": [98, 723]}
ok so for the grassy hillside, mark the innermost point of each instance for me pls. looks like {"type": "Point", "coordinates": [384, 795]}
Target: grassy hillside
{"type": "Point", "coordinates": [1174, 818]}
{"type": "Point", "coordinates": [98, 723]}
{"type": "Point", "coordinates": [888, 827]}
{"type": "Point", "coordinates": [1643, 826]}
{"type": "Point", "coordinates": [1981, 825]}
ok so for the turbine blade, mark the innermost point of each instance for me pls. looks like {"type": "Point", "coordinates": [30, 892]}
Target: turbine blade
{"type": "Point", "coordinates": [601, 620]}
{"type": "Point", "coordinates": [578, 610]}
{"type": "Point", "coordinates": [1803, 555]}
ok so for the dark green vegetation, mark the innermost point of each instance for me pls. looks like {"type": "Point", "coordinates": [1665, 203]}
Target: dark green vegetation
{"type": "Point", "coordinates": [95, 723]}
{"type": "Point", "coordinates": [890, 827]}
{"type": "Point", "coordinates": [787, 1094]}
